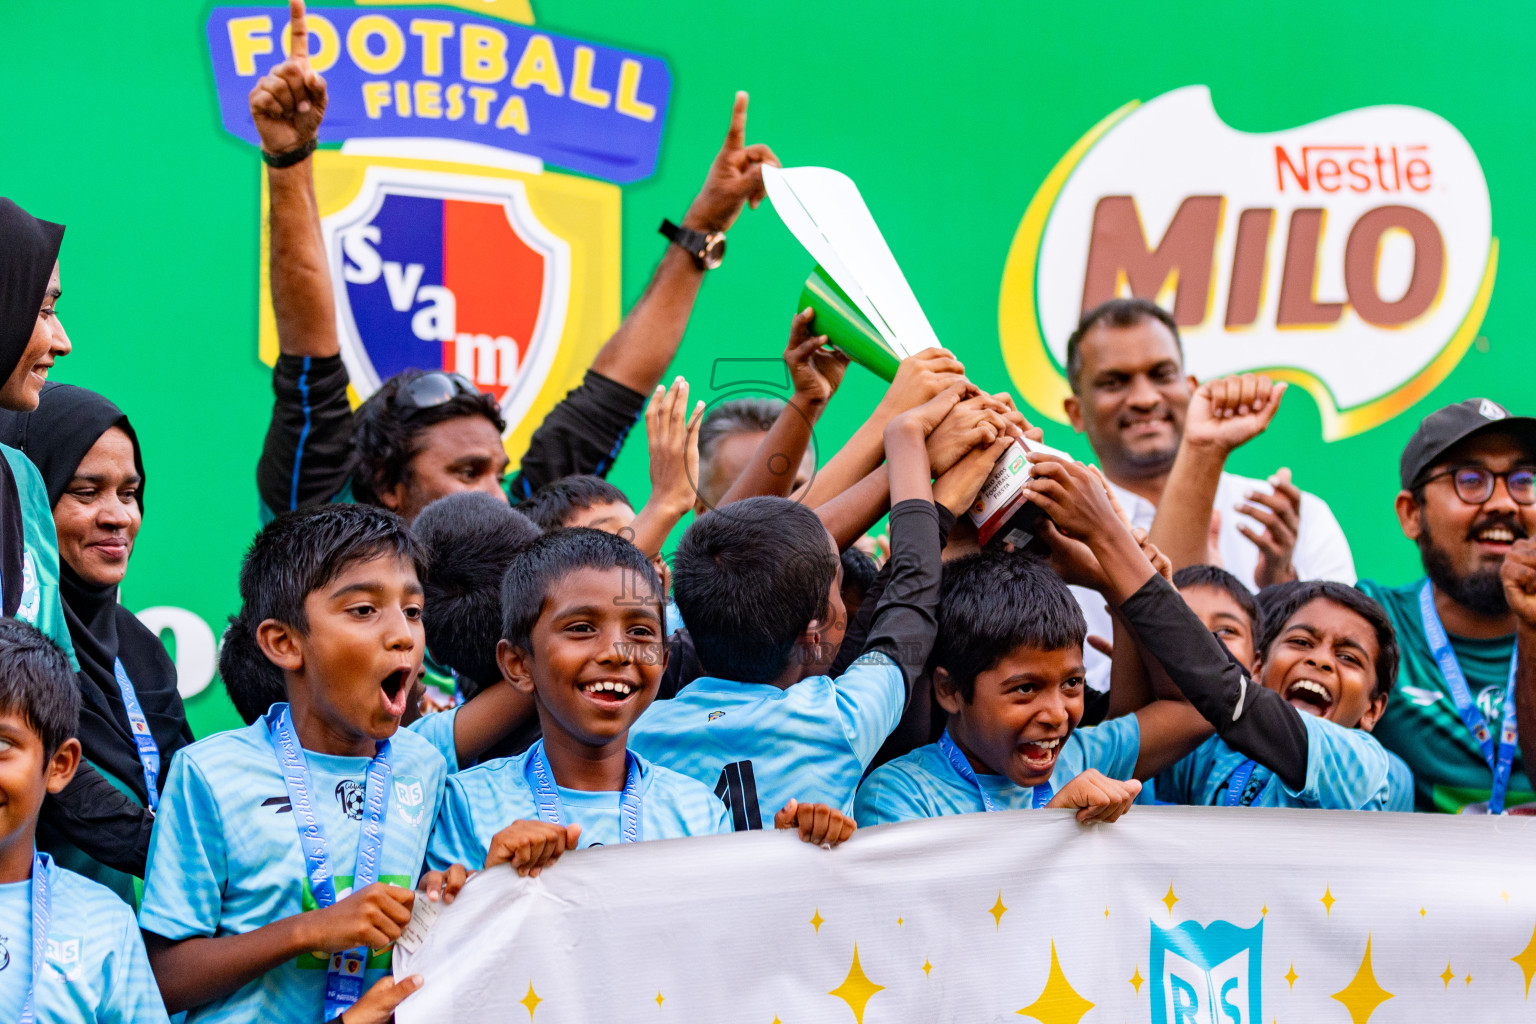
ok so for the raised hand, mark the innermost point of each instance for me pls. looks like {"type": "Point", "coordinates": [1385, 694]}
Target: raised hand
{"type": "Point", "coordinates": [373, 916]}
{"type": "Point", "coordinates": [1098, 797]}
{"type": "Point", "coordinates": [927, 416]}
{"type": "Point", "coordinates": [672, 434]}
{"type": "Point", "coordinates": [918, 379]}
{"type": "Point", "coordinates": [1280, 515]}
{"type": "Point", "coordinates": [815, 370]}
{"type": "Point", "coordinates": [288, 103]}
{"type": "Point", "coordinates": [531, 846]}
{"type": "Point", "coordinates": [818, 824]}
{"type": "Point", "coordinates": [1519, 575]}
{"type": "Point", "coordinates": [1231, 411]}
{"type": "Point", "coordinates": [958, 485]}
{"type": "Point", "coordinates": [735, 177]}
{"type": "Point", "coordinates": [377, 1005]}
{"type": "Point", "coordinates": [1073, 495]}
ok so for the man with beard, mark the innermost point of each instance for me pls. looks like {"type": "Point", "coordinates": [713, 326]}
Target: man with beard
{"type": "Point", "coordinates": [1130, 395]}
{"type": "Point", "coordinates": [1469, 494]}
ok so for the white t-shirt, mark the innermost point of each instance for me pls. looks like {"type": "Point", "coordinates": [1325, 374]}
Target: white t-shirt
{"type": "Point", "coordinates": [1322, 552]}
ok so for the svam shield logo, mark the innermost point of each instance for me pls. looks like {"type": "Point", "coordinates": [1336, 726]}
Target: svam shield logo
{"type": "Point", "coordinates": [452, 272]}
{"type": "Point", "coordinates": [1207, 974]}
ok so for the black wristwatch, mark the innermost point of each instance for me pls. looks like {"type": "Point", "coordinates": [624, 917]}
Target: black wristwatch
{"type": "Point", "coordinates": [707, 250]}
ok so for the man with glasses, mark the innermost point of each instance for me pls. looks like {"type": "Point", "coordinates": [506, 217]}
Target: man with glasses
{"type": "Point", "coordinates": [424, 435]}
{"type": "Point", "coordinates": [1469, 496]}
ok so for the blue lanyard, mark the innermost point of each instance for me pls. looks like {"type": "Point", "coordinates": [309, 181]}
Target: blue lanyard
{"type": "Point", "coordinates": [149, 751]}
{"type": "Point", "coordinates": [344, 975]}
{"type": "Point", "coordinates": [547, 798]}
{"type": "Point", "coordinates": [1239, 783]}
{"type": "Point", "coordinates": [40, 914]}
{"type": "Point", "coordinates": [962, 767]}
{"type": "Point", "coordinates": [1502, 760]}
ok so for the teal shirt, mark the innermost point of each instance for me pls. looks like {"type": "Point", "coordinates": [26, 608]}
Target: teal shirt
{"type": "Point", "coordinates": [1421, 725]}
{"type": "Point", "coordinates": [923, 784]}
{"type": "Point", "coordinates": [40, 602]}
{"type": "Point", "coordinates": [96, 970]}
{"type": "Point", "coordinates": [225, 857]}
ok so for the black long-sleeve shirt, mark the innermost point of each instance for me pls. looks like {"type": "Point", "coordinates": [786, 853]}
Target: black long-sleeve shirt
{"type": "Point", "coordinates": [307, 457]}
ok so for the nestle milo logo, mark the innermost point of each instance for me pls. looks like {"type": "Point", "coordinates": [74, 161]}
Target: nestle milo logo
{"type": "Point", "coordinates": [1352, 256]}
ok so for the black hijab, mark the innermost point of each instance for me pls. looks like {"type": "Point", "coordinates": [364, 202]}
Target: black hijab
{"type": "Point", "coordinates": [28, 250]}
{"type": "Point", "coordinates": [68, 421]}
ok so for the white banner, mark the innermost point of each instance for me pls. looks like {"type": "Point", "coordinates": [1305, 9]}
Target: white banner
{"type": "Point", "coordinates": [1173, 915]}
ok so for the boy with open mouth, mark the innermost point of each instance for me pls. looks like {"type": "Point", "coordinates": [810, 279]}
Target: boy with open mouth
{"type": "Point", "coordinates": [285, 854]}
{"type": "Point", "coordinates": [583, 635]}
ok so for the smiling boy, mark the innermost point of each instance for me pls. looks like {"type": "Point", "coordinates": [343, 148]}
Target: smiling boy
{"type": "Point", "coordinates": [582, 634]}
{"type": "Point", "coordinates": [69, 948]}
{"type": "Point", "coordinates": [285, 852]}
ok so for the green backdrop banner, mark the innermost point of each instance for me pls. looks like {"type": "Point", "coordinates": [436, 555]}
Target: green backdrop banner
{"type": "Point", "coordinates": [984, 139]}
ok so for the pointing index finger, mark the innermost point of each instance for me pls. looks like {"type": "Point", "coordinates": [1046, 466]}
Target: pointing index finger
{"type": "Point", "coordinates": [736, 136]}
{"type": "Point", "coordinates": [298, 42]}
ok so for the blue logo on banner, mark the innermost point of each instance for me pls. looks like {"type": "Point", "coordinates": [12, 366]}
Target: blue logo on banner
{"type": "Point", "coordinates": [410, 72]}
{"type": "Point", "coordinates": [1209, 974]}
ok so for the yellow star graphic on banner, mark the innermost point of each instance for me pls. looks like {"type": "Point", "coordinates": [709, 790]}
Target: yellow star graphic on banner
{"type": "Point", "coordinates": [1526, 961]}
{"type": "Point", "coordinates": [1447, 975]}
{"type": "Point", "coordinates": [1421, 913]}
{"type": "Point", "coordinates": [1469, 979]}
{"type": "Point", "coordinates": [1106, 913]}
{"type": "Point", "coordinates": [1137, 980]}
{"type": "Point", "coordinates": [1170, 899]}
{"type": "Point", "coordinates": [998, 910]}
{"type": "Point", "coordinates": [856, 989]}
{"type": "Point", "coordinates": [898, 922]}
{"type": "Point", "coordinates": [659, 999]}
{"type": "Point", "coordinates": [817, 920]}
{"type": "Point", "coordinates": [531, 1000]}
{"type": "Point", "coordinates": [1290, 975]}
{"type": "Point", "coordinates": [926, 967]}
{"type": "Point", "coordinates": [1363, 994]}
{"type": "Point", "coordinates": [1059, 1002]}
{"type": "Point", "coordinates": [1327, 900]}
{"type": "Point", "coordinates": [1264, 910]}
{"type": "Point", "coordinates": [1504, 893]}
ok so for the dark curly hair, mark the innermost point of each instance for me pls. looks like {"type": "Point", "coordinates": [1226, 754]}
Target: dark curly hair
{"type": "Point", "coordinates": [385, 436]}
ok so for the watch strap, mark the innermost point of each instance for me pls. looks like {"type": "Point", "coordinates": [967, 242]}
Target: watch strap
{"type": "Point", "coordinates": [291, 157]}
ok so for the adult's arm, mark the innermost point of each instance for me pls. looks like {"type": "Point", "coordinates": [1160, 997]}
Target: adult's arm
{"type": "Point", "coordinates": [1223, 414]}
{"type": "Point", "coordinates": [1519, 574]}
{"type": "Point", "coordinates": [583, 434]}
{"type": "Point", "coordinates": [107, 825]}
{"type": "Point", "coordinates": [307, 452]}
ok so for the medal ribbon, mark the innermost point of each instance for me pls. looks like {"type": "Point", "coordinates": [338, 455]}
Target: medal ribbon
{"type": "Point", "coordinates": [40, 913]}
{"type": "Point", "coordinates": [149, 751]}
{"type": "Point", "coordinates": [547, 798]}
{"type": "Point", "coordinates": [1501, 760]}
{"type": "Point", "coordinates": [344, 975]}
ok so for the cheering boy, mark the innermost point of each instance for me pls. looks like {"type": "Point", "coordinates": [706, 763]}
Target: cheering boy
{"type": "Point", "coordinates": [285, 852]}
{"type": "Point", "coordinates": [1007, 666]}
{"type": "Point", "coordinates": [1325, 661]}
{"type": "Point", "coordinates": [69, 948]}
{"type": "Point", "coordinates": [582, 634]}
{"type": "Point", "coordinates": [758, 583]}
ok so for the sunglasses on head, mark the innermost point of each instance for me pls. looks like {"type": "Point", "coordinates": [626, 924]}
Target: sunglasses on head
{"type": "Point", "coordinates": [432, 389]}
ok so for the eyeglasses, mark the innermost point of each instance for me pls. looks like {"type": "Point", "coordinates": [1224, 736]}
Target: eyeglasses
{"type": "Point", "coordinates": [437, 387]}
{"type": "Point", "coordinates": [1474, 484]}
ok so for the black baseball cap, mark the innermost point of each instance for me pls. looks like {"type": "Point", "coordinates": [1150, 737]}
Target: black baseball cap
{"type": "Point", "coordinates": [1444, 428]}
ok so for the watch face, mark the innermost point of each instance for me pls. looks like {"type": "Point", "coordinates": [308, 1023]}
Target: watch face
{"type": "Point", "coordinates": [714, 251]}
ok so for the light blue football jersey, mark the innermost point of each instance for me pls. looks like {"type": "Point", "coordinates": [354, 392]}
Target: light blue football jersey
{"type": "Point", "coordinates": [96, 969]}
{"type": "Point", "coordinates": [757, 746]}
{"type": "Point", "coordinates": [1347, 770]}
{"type": "Point", "coordinates": [225, 856]}
{"type": "Point", "coordinates": [923, 784]}
{"type": "Point", "coordinates": [485, 799]}
{"type": "Point", "coordinates": [437, 729]}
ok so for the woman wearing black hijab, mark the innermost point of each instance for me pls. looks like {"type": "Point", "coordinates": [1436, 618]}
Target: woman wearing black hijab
{"type": "Point", "coordinates": [131, 717]}
{"type": "Point", "coordinates": [31, 338]}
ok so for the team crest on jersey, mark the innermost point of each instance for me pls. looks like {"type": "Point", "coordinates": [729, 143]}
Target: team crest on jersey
{"type": "Point", "coordinates": [448, 271]}
{"type": "Point", "coordinates": [409, 799]}
{"type": "Point", "coordinates": [351, 796]}
{"type": "Point", "coordinates": [1490, 701]}
{"type": "Point", "coordinates": [64, 954]}
{"type": "Point", "coordinates": [1207, 974]}
{"type": "Point", "coordinates": [716, 714]}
